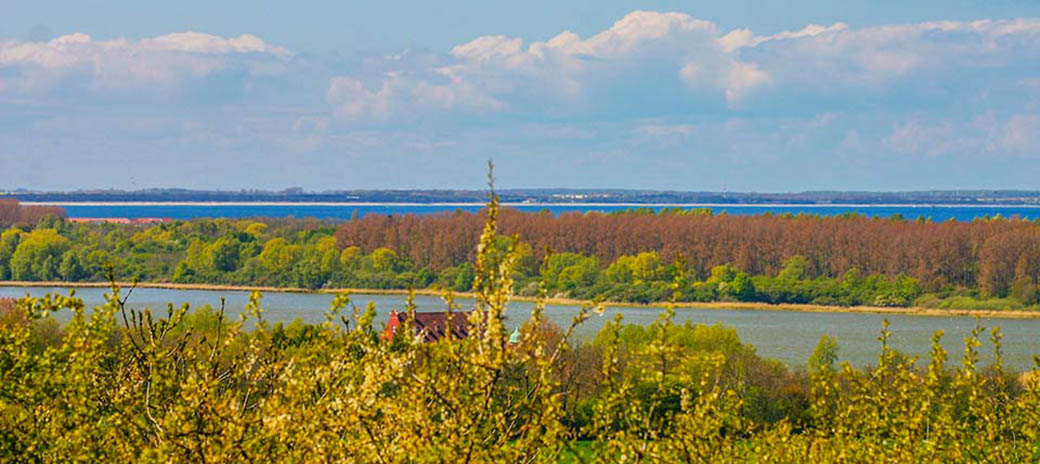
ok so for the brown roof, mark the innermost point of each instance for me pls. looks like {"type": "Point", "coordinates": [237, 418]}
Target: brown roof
{"type": "Point", "coordinates": [432, 324]}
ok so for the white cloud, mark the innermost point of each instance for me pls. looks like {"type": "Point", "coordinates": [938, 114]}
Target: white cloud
{"type": "Point", "coordinates": [650, 64]}
{"type": "Point", "coordinates": [488, 48]}
{"type": "Point", "coordinates": [565, 75]}
{"type": "Point", "coordinates": [197, 42]}
{"type": "Point", "coordinates": [741, 38]}
{"type": "Point", "coordinates": [151, 66]}
{"type": "Point", "coordinates": [876, 58]}
{"type": "Point", "coordinates": [653, 88]}
{"type": "Point", "coordinates": [742, 78]}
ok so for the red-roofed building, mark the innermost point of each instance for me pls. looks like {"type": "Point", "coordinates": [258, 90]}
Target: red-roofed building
{"type": "Point", "coordinates": [107, 220]}
{"type": "Point", "coordinates": [150, 220]}
{"type": "Point", "coordinates": [118, 220]}
{"type": "Point", "coordinates": [432, 325]}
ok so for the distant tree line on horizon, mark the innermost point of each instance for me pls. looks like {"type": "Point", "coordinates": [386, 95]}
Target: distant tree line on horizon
{"type": "Point", "coordinates": [555, 195]}
{"type": "Point", "coordinates": [631, 256]}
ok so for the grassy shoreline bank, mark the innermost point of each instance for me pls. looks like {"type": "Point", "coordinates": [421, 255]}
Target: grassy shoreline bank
{"type": "Point", "coordinates": [911, 310]}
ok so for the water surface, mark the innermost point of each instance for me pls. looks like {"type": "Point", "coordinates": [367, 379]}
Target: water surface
{"type": "Point", "coordinates": [788, 336]}
{"type": "Point", "coordinates": [347, 210]}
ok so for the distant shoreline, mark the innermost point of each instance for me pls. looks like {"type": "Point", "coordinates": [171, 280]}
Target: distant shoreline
{"type": "Point", "coordinates": [912, 311]}
{"type": "Point", "coordinates": [545, 204]}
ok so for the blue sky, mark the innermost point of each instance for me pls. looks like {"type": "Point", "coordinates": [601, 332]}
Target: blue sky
{"type": "Point", "coordinates": [740, 96]}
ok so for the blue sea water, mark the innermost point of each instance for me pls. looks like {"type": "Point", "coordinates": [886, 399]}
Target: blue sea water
{"type": "Point", "coordinates": [347, 210]}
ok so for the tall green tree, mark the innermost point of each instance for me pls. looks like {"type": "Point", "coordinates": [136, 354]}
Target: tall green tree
{"type": "Point", "coordinates": [8, 243]}
{"type": "Point", "coordinates": [38, 255]}
{"type": "Point", "coordinates": [71, 269]}
{"type": "Point", "coordinates": [224, 254]}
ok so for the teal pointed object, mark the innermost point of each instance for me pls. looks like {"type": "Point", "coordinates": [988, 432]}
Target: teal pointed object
{"type": "Point", "coordinates": [514, 337]}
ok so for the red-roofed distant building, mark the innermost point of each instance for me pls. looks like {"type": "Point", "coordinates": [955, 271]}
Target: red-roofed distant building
{"type": "Point", "coordinates": [92, 220]}
{"type": "Point", "coordinates": [150, 220]}
{"type": "Point", "coordinates": [118, 220]}
{"type": "Point", "coordinates": [432, 325]}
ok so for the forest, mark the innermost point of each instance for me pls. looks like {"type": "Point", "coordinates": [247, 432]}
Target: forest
{"type": "Point", "coordinates": [117, 384]}
{"type": "Point", "coordinates": [632, 256]}
{"type": "Point", "coordinates": [13, 212]}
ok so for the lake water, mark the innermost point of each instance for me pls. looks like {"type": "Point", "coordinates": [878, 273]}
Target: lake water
{"type": "Point", "coordinates": [347, 210]}
{"type": "Point", "coordinates": [789, 336]}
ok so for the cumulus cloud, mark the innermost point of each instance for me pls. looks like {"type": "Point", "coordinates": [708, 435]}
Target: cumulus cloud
{"type": "Point", "coordinates": [651, 64]}
{"type": "Point", "coordinates": [644, 97]}
{"type": "Point", "coordinates": [741, 38]}
{"type": "Point", "coordinates": [154, 66]}
{"type": "Point", "coordinates": [920, 63]}
{"type": "Point", "coordinates": [646, 59]}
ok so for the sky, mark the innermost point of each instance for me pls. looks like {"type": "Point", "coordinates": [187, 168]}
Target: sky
{"type": "Point", "coordinates": [757, 96]}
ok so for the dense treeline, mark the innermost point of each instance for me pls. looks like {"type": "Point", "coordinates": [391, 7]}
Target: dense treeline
{"type": "Point", "coordinates": [631, 256]}
{"type": "Point", "coordinates": [981, 252]}
{"type": "Point", "coordinates": [995, 256]}
{"type": "Point", "coordinates": [117, 385]}
{"type": "Point", "coordinates": [12, 212]}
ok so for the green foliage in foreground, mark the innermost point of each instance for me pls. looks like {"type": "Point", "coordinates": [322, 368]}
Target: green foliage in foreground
{"type": "Point", "coordinates": [126, 386]}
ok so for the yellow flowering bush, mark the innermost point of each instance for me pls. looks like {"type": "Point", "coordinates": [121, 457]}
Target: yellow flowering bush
{"type": "Point", "coordinates": [120, 385]}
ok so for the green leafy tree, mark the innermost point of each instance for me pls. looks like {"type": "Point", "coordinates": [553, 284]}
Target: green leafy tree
{"type": "Point", "coordinates": [71, 269]}
{"type": "Point", "coordinates": [330, 264]}
{"type": "Point", "coordinates": [743, 287]}
{"type": "Point", "coordinates": [183, 273]}
{"type": "Point", "coordinates": [646, 266]}
{"type": "Point", "coordinates": [384, 260]}
{"type": "Point", "coordinates": [620, 271]}
{"type": "Point", "coordinates": [278, 256]}
{"type": "Point", "coordinates": [224, 254]}
{"type": "Point", "coordinates": [723, 274]}
{"type": "Point", "coordinates": [579, 275]}
{"type": "Point", "coordinates": [50, 268]}
{"type": "Point", "coordinates": [825, 356]}
{"type": "Point", "coordinates": [8, 243]}
{"type": "Point", "coordinates": [197, 256]}
{"type": "Point", "coordinates": [307, 274]}
{"type": "Point", "coordinates": [567, 271]}
{"type": "Point", "coordinates": [114, 384]}
{"type": "Point", "coordinates": [38, 255]}
{"type": "Point", "coordinates": [96, 263]}
{"type": "Point", "coordinates": [350, 258]}
{"type": "Point", "coordinates": [794, 268]}
{"type": "Point", "coordinates": [463, 281]}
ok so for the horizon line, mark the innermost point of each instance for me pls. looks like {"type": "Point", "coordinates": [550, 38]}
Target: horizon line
{"type": "Point", "coordinates": [547, 204]}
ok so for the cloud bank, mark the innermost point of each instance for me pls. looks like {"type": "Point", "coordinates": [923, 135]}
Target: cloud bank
{"type": "Point", "coordinates": [656, 100]}
{"type": "Point", "coordinates": [653, 64]}
{"type": "Point", "coordinates": [158, 66]}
